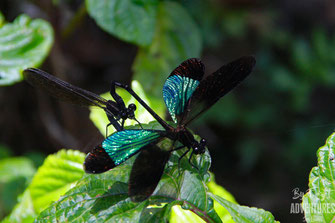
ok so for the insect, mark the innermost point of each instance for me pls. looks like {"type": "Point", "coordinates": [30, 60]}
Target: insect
{"type": "Point", "coordinates": [186, 95]}
{"type": "Point", "coordinates": [115, 110]}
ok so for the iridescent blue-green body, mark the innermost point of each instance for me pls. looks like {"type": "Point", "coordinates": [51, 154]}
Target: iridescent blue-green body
{"type": "Point", "coordinates": [177, 91]}
{"type": "Point", "coordinates": [120, 146]}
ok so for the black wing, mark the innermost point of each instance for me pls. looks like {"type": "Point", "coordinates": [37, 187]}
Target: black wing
{"type": "Point", "coordinates": [146, 172]}
{"type": "Point", "coordinates": [216, 85]}
{"type": "Point", "coordinates": [63, 90]}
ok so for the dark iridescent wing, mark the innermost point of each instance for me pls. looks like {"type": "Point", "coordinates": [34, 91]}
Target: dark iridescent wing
{"type": "Point", "coordinates": [61, 89]}
{"type": "Point", "coordinates": [119, 147]}
{"type": "Point", "coordinates": [146, 172]}
{"type": "Point", "coordinates": [180, 85]}
{"type": "Point", "coordinates": [98, 161]}
{"type": "Point", "coordinates": [216, 85]}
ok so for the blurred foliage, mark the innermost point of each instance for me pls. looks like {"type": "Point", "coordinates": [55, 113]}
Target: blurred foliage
{"type": "Point", "coordinates": [57, 175]}
{"type": "Point", "coordinates": [23, 43]}
{"type": "Point", "coordinates": [15, 175]}
{"type": "Point", "coordinates": [132, 21]}
{"type": "Point", "coordinates": [318, 202]}
{"type": "Point", "coordinates": [172, 44]}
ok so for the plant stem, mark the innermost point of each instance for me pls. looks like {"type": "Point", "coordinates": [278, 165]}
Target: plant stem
{"type": "Point", "coordinates": [75, 21]}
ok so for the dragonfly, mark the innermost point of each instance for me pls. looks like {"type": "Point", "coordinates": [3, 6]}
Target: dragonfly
{"type": "Point", "coordinates": [115, 110]}
{"type": "Point", "coordinates": [187, 95]}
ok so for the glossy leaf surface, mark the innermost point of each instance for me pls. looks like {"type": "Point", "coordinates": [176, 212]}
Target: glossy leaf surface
{"type": "Point", "coordinates": [129, 20]}
{"type": "Point", "coordinates": [58, 174]}
{"type": "Point", "coordinates": [23, 43]}
{"type": "Point", "coordinates": [319, 202]}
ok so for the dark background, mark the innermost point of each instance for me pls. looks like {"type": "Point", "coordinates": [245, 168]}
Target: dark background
{"type": "Point", "coordinates": [263, 137]}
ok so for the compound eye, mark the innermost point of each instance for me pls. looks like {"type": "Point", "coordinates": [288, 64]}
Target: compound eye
{"type": "Point", "coordinates": [132, 107]}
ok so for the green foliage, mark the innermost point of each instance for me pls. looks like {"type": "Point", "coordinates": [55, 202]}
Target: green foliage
{"type": "Point", "coordinates": [132, 21]}
{"type": "Point", "coordinates": [57, 175]}
{"type": "Point", "coordinates": [14, 167]}
{"type": "Point", "coordinates": [103, 197]}
{"type": "Point", "coordinates": [243, 213]}
{"type": "Point", "coordinates": [173, 42]}
{"type": "Point", "coordinates": [15, 174]}
{"type": "Point", "coordinates": [23, 43]}
{"type": "Point", "coordinates": [318, 202]}
{"type": "Point", "coordinates": [99, 118]}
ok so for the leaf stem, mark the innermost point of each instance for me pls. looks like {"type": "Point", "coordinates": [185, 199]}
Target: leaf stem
{"type": "Point", "coordinates": [75, 21]}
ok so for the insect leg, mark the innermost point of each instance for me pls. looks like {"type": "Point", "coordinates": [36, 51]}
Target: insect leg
{"type": "Point", "coordinates": [130, 91]}
{"type": "Point", "coordinates": [116, 97]}
{"type": "Point", "coordinates": [113, 122]}
{"type": "Point", "coordinates": [138, 123]}
{"type": "Point", "coordinates": [189, 160]}
{"type": "Point", "coordinates": [188, 149]}
{"type": "Point", "coordinates": [123, 120]}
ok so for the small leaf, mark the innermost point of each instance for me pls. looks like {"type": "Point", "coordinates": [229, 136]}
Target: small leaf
{"type": "Point", "coordinates": [131, 21]}
{"type": "Point", "coordinates": [244, 214]}
{"type": "Point", "coordinates": [104, 197]}
{"type": "Point", "coordinates": [57, 175]}
{"type": "Point", "coordinates": [320, 198]}
{"type": "Point", "coordinates": [176, 39]}
{"type": "Point", "coordinates": [23, 43]}
{"type": "Point", "coordinates": [99, 118]}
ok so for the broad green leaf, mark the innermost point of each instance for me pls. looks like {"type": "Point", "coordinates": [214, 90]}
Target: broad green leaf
{"type": "Point", "coordinates": [244, 214]}
{"type": "Point", "coordinates": [99, 118]}
{"type": "Point", "coordinates": [318, 203]}
{"type": "Point", "coordinates": [104, 197]}
{"type": "Point", "coordinates": [57, 175]}
{"type": "Point", "coordinates": [180, 215]}
{"type": "Point", "coordinates": [176, 39]}
{"type": "Point", "coordinates": [130, 20]}
{"type": "Point", "coordinates": [23, 43]}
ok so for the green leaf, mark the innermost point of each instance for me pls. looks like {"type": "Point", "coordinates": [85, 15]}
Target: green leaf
{"type": "Point", "coordinates": [104, 197]}
{"type": "Point", "coordinates": [318, 202]}
{"type": "Point", "coordinates": [244, 214]}
{"type": "Point", "coordinates": [180, 215]}
{"type": "Point", "coordinates": [15, 174]}
{"type": "Point", "coordinates": [99, 118]}
{"type": "Point", "coordinates": [130, 20]}
{"type": "Point", "coordinates": [176, 39]}
{"type": "Point", "coordinates": [223, 193]}
{"type": "Point", "coordinates": [57, 175]}
{"type": "Point", "coordinates": [14, 167]}
{"type": "Point", "coordinates": [23, 43]}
